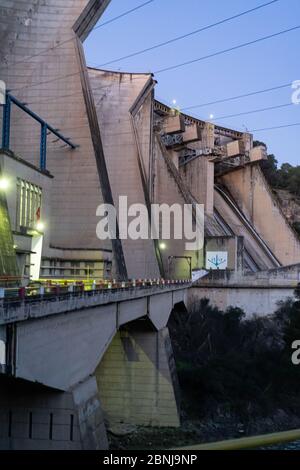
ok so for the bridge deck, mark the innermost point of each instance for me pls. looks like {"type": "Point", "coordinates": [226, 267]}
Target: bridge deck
{"type": "Point", "coordinates": [16, 309]}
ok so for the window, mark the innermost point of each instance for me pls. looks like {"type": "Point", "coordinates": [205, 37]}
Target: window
{"type": "Point", "coordinates": [29, 201]}
{"type": "Point", "coordinates": [76, 271]}
{"type": "Point", "coordinates": [67, 269]}
{"type": "Point", "coordinates": [2, 352]}
{"type": "Point", "coordinates": [89, 272]}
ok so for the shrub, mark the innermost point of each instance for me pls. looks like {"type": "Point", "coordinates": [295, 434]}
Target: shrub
{"type": "Point", "coordinates": [243, 365]}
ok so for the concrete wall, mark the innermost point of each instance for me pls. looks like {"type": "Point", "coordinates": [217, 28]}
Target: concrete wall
{"type": "Point", "coordinates": [135, 378]}
{"type": "Point", "coordinates": [51, 84]}
{"type": "Point", "coordinates": [256, 293]}
{"type": "Point", "coordinates": [114, 95]}
{"type": "Point", "coordinates": [90, 415]}
{"type": "Point", "coordinates": [63, 350]}
{"type": "Point", "coordinates": [253, 300]}
{"type": "Point", "coordinates": [283, 276]}
{"type": "Point", "coordinates": [170, 189]}
{"type": "Point", "coordinates": [14, 168]}
{"type": "Point", "coordinates": [36, 418]}
{"type": "Point", "coordinates": [142, 118]}
{"type": "Point", "coordinates": [254, 196]}
{"type": "Point", "coordinates": [224, 244]}
{"type": "Point", "coordinates": [254, 244]}
{"type": "Point", "coordinates": [198, 175]}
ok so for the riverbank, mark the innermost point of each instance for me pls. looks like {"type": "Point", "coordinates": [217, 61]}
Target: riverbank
{"type": "Point", "coordinates": [196, 432]}
{"type": "Point", "coordinates": [236, 378]}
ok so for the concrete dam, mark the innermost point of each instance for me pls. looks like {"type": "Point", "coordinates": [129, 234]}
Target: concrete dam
{"type": "Point", "coordinates": [84, 340]}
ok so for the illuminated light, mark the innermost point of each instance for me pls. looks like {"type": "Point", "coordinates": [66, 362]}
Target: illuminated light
{"type": "Point", "coordinates": [174, 102]}
{"type": "Point", "coordinates": [211, 116]}
{"type": "Point", "coordinates": [162, 246]}
{"type": "Point", "coordinates": [15, 247]}
{"type": "Point", "coordinates": [4, 184]}
{"type": "Point", "coordinates": [40, 226]}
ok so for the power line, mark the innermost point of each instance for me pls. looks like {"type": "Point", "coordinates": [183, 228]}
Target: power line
{"type": "Point", "coordinates": [58, 97]}
{"type": "Point", "coordinates": [58, 78]}
{"type": "Point", "coordinates": [53, 98]}
{"type": "Point", "coordinates": [218, 117]}
{"type": "Point", "coordinates": [113, 134]}
{"type": "Point", "coordinates": [80, 93]}
{"type": "Point", "coordinates": [26, 59]}
{"type": "Point", "coordinates": [254, 111]}
{"type": "Point", "coordinates": [178, 65]}
{"type": "Point", "coordinates": [47, 81]}
{"type": "Point", "coordinates": [224, 51]}
{"type": "Point", "coordinates": [122, 15]}
{"type": "Point", "coordinates": [276, 127]}
{"type": "Point", "coordinates": [232, 98]}
{"type": "Point", "coordinates": [116, 134]}
{"type": "Point", "coordinates": [179, 38]}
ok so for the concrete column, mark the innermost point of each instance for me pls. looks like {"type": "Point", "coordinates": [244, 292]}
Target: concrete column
{"type": "Point", "coordinates": [240, 255]}
{"type": "Point", "coordinates": [90, 416]}
{"type": "Point", "coordinates": [137, 378]}
{"type": "Point", "coordinates": [198, 175]}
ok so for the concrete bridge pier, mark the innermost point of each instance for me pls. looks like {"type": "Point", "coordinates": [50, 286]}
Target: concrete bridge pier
{"type": "Point", "coordinates": [137, 379]}
{"type": "Point", "coordinates": [89, 415]}
{"type": "Point", "coordinates": [64, 360]}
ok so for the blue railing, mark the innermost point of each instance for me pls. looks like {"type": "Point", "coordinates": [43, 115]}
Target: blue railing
{"type": "Point", "coordinates": [45, 128]}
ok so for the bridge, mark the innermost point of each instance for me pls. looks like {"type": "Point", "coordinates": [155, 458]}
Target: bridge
{"type": "Point", "coordinates": [66, 350]}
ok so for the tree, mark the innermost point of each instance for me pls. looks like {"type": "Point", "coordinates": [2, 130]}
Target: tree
{"type": "Point", "coordinates": [294, 180]}
{"type": "Point", "coordinates": [286, 177]}
{"type": "Point", "coordinates": [270, 170]}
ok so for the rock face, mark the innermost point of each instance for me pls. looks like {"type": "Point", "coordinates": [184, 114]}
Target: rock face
{"type": "Point", "coordinates": [290, 204]}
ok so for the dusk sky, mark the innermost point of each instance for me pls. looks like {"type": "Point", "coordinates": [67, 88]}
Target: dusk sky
{"type": "Point", "coordinates": [267, 64]}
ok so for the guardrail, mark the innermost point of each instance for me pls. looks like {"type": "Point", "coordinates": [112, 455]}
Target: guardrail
{"type": "Point", "coordinates": [45, 128]}
{"type": "Point", "coordinates": [252, 442]}
{"type": "Point", "coordinates": [49, 289]}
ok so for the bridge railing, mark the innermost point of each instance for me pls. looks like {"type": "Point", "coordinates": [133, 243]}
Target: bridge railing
{"type": "Point", "coordinates": [47, 290]}
{"type": "Point", "coordinates": [46, 128]}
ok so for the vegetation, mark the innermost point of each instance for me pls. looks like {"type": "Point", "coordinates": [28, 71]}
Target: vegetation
{"type": "Point", "coordinates": [296, 226]}
{"type": "Point", "coordinates": [284, 177]}
{"type": "Point", "coordinates": [236, 377]}
{"type": "Point", "coordinates": [229, 364]}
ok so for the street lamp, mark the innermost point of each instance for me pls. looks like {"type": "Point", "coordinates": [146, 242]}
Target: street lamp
{"type": "Point", "coordinates": [40, 226]}
{"type": "Point", "coordinates": [4, 184]}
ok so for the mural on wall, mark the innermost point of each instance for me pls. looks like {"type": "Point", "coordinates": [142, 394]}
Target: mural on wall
{"type": "Point", "coordinates": [216, 260]}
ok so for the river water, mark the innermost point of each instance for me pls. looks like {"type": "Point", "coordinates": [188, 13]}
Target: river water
{"type": "Point", "coordinates": [287, 446]}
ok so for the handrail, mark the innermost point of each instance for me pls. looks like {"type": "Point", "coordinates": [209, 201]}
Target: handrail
{"type": "Point", "coordinates": [49, 289]}
{"type": "Point", "coordinates": [251, 442]}
{"type": "Point", "coordinates": [45, 127]}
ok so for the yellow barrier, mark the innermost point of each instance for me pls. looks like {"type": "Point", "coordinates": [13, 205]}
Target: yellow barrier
{"type": "Point", "coordinates": [249, 442]}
